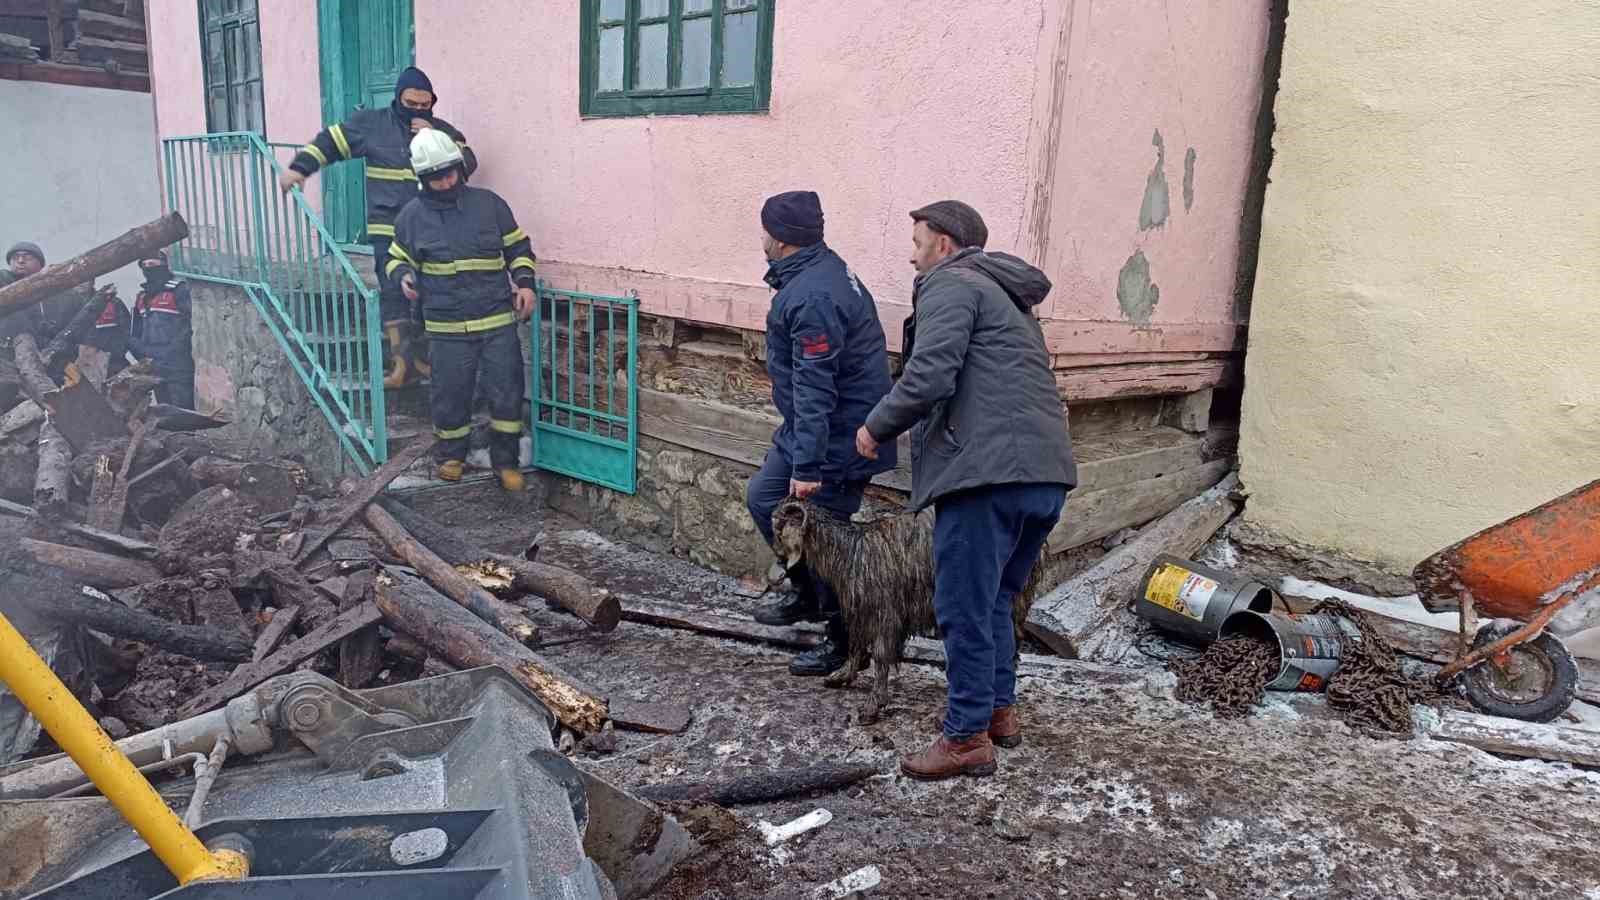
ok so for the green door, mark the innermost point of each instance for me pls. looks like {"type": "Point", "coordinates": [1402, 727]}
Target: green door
{"type": "Point", "coordinates": [364, 46]}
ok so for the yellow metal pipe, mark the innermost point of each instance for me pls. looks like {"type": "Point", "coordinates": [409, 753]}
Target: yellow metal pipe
{"type": "Point", "coordinates": [91, 748]}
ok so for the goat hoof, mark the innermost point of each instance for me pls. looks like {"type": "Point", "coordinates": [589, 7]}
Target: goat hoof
{"type": "Point", "coordinates": [837, 681]}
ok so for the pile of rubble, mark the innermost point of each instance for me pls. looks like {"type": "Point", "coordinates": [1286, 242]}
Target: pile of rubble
{"type": "Point", "coordinates": [181, 578]}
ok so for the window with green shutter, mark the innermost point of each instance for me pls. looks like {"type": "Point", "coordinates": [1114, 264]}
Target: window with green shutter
{"type": "Point", "coordinates": [230, 44]}
{"type": "Point", "coordinates": [675, 57]}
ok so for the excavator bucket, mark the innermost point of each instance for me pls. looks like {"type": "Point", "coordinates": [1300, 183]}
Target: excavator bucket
{"type": "Point", "coordinates": [443, 787]}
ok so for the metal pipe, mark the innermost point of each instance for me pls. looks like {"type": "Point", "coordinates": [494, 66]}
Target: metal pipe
{"type": "Point", "coordinates": [86, 742]}
{"type": "Point", "coordinates": [49, 777]}
{"type": "Point", "coordinates": [185, 759]}
{"type": "Point", "coordinates": [205, 775]}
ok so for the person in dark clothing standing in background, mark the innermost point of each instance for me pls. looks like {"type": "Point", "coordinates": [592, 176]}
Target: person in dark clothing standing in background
{"type": "Point", "coordinates": [990, 452]}
{"type": "Point", "coordinates": [453, 247]}
{"type": "Point", "coordinates": [383, 138]}
{"type": "Point", "coordinates": [829, 364]}
{"type": "Point", "coordinates": [162, 331]}
{"type": "Point", "coordinates": [43, 319]}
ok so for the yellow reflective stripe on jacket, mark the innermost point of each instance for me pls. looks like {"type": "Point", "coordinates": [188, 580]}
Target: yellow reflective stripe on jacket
{"type": "Point", "coordinates": [524, 261]}
{"type": "Point", "coordinates": [393, 264]}
{"type": "Point", "coordinates": [506, 426]}
{"type": "Point", "coordinates": [397, 251]}
{"type": "Point", "coordinates": [382, 174]}
{"type": "Point", "coordinates": [464, 265]}
{"type": "Point", "coordinates": [450, 434]}
{"type": "Point", "coordinates": [316, 153]}
{"type": "Point", "coordinates": [487, 323]}
{"type": "Point", "coordinates": [337, 133]}
{"type": "Point", "coordinates": [379, 229]}
{"type": "Point", "coordinates": [511, 237]}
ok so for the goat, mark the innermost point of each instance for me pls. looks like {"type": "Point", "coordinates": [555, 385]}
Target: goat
{"type": "Point", "coordinates": [882, 572]}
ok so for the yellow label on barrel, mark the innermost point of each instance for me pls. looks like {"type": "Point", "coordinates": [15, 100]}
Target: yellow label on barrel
{"type": "Point", "coordinates": [1180, 590]}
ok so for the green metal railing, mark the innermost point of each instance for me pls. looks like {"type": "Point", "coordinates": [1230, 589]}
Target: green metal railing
{"type": "Point", "coordinates": [244, 232]}
{"type": "Point", "coordinates": [584, 385]}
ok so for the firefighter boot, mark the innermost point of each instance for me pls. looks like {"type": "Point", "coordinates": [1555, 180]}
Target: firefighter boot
{"type": "Point", "coordinates": [395, 332]}
{"type": "Point", "coordinates": [510, 480]}
{"type": "Point", "coordinates": [451, 470]}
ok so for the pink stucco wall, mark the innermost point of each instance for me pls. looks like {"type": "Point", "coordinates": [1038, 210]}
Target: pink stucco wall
{"type": "Point", "coordinates": [876, 111]}
{"type": "Point", "coordinates": [1040, 113]}
{"type": "Point", "coordinates": [1111, 76]}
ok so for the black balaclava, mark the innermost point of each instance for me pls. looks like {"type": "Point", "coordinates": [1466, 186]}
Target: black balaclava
{"type": "Point", "coordinates": [157, 275]}
{"type": "Point", "coordinates": [413, 78]}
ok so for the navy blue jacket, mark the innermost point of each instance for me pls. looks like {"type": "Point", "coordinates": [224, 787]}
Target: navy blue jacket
{"type": "Point", "coordinates": [829, 366]}
{"type": "Point", "coordinates": [460, 247]}
{"type": "Point", "coordinates": [382, 137]}
{"type": "Point", "coordinates": [161, 330]}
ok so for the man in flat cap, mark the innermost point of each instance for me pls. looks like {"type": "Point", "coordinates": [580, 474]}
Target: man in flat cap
{"type": "Point", "coordinates": [829, 364]}
{"type": "Point", "coordinates": [990, 453]}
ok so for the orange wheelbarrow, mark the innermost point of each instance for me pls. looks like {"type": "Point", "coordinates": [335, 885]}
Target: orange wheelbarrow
{"type": "Point", "coordinates": [1520, 574]}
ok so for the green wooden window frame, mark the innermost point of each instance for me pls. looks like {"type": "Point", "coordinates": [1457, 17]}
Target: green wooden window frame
{"type": "Point", "coordinates": [230, 56]}
{"type": "Point", "coordinates": [675, 57]}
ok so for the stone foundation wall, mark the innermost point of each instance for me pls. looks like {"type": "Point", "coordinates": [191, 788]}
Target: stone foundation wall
{"type": "Point", "coordinates": [241, 370]}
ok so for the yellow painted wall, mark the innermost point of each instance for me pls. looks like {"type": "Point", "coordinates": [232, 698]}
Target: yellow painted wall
{"type": "Point", "coordinates": [1424, 355]}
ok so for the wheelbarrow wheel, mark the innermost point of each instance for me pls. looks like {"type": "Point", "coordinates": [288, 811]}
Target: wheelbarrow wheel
{"type": "Point", "coordinates": [1537, 685]}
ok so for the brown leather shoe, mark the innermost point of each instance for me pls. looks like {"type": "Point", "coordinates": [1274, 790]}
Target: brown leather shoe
{"type": "Point", "coordinates": [1004, 728]}
{"type": "Point", "coordinates": [947, 759]}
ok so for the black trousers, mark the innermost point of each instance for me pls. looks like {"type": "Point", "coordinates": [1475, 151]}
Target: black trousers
{"type": "Point", "coordinates": [464, 364]}
{"type": "Point", "coordinates": [392, 305]}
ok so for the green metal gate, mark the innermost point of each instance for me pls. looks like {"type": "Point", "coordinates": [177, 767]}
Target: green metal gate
{"type": "Point", "coordinates": [584, 387]}
{"type": "Point", "coordinates": [364, 46]}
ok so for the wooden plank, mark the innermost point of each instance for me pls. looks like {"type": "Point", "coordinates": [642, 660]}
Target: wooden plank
{"type": "Point", "coordinates": [120, 543]}
{"type": "Point", "coordinates": [98, 570]}
{"type": "Point", "coordinates": [360, 654]}
{"type": "Point", "coordinates": [127, 54]}
{"type": "Point", "coordinates": [75, 76]}
{"type": "Point", "coordinates": [1064, 335]}
{"type": "Point", "coordinates": [112, 28]}
{"type": "Point", "coordinates": [744, 436]}
{"type": "Point", "coordinates": [1589, 680]}
{"type": "Point", "coordinates": [666, 614]}
{"type": "Point", "coordinates": [1509, 737]}
{"type": "Point", "coordinates": [1146, 379]}
{"type": "Point", "coordinates": [251, 674]}
{"type": "Point", "coordinates": [53, 16]}
{"type": "Point", "coordinates": [365, 492]}
{"type": "Point", "coordinates": [1091, 515]}
{"type": "Point", "coordinates": [651, 717]}
{"type": "Point", "coordinates": [1088, 616]}
{"type": "Point", "coordinates": [272, 635]}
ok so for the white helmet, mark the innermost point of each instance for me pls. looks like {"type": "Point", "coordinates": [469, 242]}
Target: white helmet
{"type": "Point", "coordinates": [433, 151]}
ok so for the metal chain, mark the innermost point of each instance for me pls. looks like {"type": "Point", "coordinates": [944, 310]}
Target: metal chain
{"type": "Point", "coordinates": [1370, 689]}
{"type": "Point", "coordinates": [1231, 675]}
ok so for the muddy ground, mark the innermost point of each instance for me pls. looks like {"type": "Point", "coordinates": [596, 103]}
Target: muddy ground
{"type": "Point", "coordinates": [1117, 791]}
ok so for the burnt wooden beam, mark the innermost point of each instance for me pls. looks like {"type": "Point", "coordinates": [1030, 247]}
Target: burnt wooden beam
{"type": "Point", "coordinates": [98, 570]}
{"type": "Point", "coordinates": [463, 639]}
{"type": "Point", "coordinates": [251, 674]}
{"type": "Point", "coordinates": [128, 247]}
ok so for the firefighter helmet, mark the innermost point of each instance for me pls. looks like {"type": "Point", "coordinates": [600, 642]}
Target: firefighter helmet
{"type": "Point", "coordinates": [433, 151]}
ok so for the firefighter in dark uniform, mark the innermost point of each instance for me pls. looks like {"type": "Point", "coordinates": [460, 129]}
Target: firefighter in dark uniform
{"type": "Point", "coordinates": [452, 251]}
{"type": "Point", "coordinates": [383, 138]}
{"type": "Point", "coordinates": [162, 331]}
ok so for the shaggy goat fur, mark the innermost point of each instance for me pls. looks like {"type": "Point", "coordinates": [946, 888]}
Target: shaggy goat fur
{"type": "Point", "coordinates": [883, 573]}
